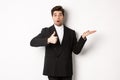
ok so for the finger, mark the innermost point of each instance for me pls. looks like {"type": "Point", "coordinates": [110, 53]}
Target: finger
{"type": "Point", "coordinates": [53, 33]}
{"type": "Point", "coordinates": [55, 37]}
{"type": "Point", "coordinates": [92, 31]}
{"type": "Point", "coordinates": [87, 31]}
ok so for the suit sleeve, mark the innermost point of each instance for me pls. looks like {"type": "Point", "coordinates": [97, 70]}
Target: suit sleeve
{"type": "Point", "coordinates": [78, 45]}
{"type": "Point", "coordinates": [40, 39]}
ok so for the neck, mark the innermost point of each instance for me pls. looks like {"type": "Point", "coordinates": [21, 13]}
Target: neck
{"type": "Point", "coordinates": [59, 25]}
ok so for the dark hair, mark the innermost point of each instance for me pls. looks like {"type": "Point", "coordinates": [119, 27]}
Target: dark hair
{"type": "Point", "coordinates": [57, 8]}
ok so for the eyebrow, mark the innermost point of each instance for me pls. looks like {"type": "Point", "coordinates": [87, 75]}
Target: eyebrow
{"type": "Point", "coordinates": [56, 13]}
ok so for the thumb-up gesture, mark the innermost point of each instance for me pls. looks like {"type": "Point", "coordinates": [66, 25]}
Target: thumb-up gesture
{"type": "Point", "coordinates": [52, 39]}
{"type": "Point", "coordinates": [88, 33]}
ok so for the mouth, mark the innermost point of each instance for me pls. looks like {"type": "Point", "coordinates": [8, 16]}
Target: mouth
{"type": "Point", "coordinates": [58, 21]}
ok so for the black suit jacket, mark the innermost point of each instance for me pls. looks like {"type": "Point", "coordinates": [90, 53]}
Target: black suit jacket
{"type": "Point", "coordinates": [58, 57]}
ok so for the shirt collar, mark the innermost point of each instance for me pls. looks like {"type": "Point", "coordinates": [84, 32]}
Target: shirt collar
{"type": "Point", "coordinates": [58, 27]}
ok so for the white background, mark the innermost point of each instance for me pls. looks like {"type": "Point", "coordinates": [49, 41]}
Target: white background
{"type": "Point", "coordinates": [21, 20]}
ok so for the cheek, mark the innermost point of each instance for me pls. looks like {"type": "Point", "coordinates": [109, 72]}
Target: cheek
{"type": "Point", "coordinates": [62, 19]}
{"type": "Point", "coordinates": [54, 19]}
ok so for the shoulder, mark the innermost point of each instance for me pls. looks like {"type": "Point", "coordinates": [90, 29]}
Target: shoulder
{"type": "Point", "coordinates": [47, 28]}
{"type": "Point", "coordinates": [69, 29]}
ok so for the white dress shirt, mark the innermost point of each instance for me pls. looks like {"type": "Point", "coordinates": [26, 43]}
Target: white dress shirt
{"type": "Point", "coordinates": [60, 32]}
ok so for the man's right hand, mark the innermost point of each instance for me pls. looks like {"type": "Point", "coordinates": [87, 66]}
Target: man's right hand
{"type": "Point", "coordinates": [52, 39]}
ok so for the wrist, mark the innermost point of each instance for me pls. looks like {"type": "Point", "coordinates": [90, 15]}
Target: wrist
{"type": "Point", "coordinates": [84, 37]}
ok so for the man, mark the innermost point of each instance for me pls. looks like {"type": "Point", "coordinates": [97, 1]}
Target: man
{"type": "Point", "coordinates": [59, 41]}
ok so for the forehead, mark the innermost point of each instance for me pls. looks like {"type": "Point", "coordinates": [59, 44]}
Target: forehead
{"type": "Point", "coordinates": [57, 12]}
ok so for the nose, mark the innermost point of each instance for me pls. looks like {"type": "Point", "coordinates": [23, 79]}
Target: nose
{"type": "Point", "coordinates": [58, 17]}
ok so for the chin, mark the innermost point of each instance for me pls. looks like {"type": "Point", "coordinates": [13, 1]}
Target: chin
{"type": "Point", "coordinates": [58, 24]}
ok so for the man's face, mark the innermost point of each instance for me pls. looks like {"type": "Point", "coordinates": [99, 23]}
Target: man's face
{"type": "Point", "coordinates": [58, 18]}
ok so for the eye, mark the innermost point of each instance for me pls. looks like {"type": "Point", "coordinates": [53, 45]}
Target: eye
{"type": "Point", "coordinates": [60, 14]}
{"type": "Point", "coordinates": [54, 15]}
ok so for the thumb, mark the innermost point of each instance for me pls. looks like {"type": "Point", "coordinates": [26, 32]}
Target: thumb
{"type": "Point", "coordinates": [53, 34]}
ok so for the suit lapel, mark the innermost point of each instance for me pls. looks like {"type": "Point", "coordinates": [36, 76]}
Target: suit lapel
{"type": "Point", "coordinates": [64, 41]}
{"type": "Point", "coordinates": [64, 36]}
{"type": "Point", "coordinates": [59, 48]}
